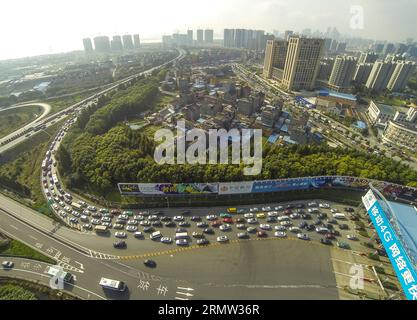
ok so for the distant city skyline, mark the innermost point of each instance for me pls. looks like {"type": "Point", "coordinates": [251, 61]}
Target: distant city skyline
{"type": "Point", "coordinates": [48, 26]}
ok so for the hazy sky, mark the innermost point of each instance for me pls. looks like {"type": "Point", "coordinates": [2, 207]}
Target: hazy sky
{"type": "Point", "coordinates": [29, 27]}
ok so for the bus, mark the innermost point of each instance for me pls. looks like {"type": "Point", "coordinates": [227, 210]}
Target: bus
{"type": "Point", "coordinates": [76, 206]}
{"type": "Point", "coordinates": [100, 229]}
{"type": "Point", "coordinates": [53, 271]}
{"type": "Point", "coordinates": [110, 284]}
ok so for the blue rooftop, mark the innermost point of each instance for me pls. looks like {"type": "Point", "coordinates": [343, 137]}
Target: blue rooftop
{"type": "Point", "coordinates": [326, 92]}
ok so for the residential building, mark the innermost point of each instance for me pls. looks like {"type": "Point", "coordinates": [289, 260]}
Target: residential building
{"type": "Point", "coordinates": [88, 45]}
{"type": "Point", "coordinates": [401, 134]}
{"type": "Point", "coordinates": [200, 36]}
{"type": "Point", "coordinates": [229, 38]}
{"type": "Point", "coordinates": [208, 36]}
{"type": "Point", "coordinates": [342, 73]}
{"type": "Point", "coordinates": [400, 75]}
{"type": "Point", "coordinates": [302, 63]}
{"type": "Point", "coordinates": [380, 75]}
{"type": "Point", "coordinates": [127, 42]}
{"type": "Point", "coordinates": [380, 114]}
{"type": "Point", "coordinates": [190, 39]}
{"type": "Point", "coordinates": [367, 57]}
{"type": "Point", "coordinates": [116, 43]}
{"type": "Point", "coordinates": [362, 72]}
{"type": "Point", "coordinates": [136, 41]}
{"type": "Point", "coordinates": [102, 44]}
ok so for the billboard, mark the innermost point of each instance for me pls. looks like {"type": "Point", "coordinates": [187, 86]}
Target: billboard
{"type": "Point", "coordinates": [235, 187]}
{"type": "Point", "coordinates": [167, 188]}
{"type": "Point", "coordinates": [264, 186]}
{"type": "Point", "coordinates": [399, 259]}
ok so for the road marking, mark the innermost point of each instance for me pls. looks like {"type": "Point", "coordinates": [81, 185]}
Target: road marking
{"type": "Point", "coordinates": [14, 227]}
{"type": "Point", "coordinates": [178, 298]}
{"type": "Point", "coordinates": [32, 237]}
{"type": "Point", "coordinates": [184, 293]}
{"type": "Point", "coordinates": [182, 288]}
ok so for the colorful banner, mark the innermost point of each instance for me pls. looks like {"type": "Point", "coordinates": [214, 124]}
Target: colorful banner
{"type": "Point", "coordinates": [263, 186]}
{"type": "Point", "coordinates": [235, 187]}
{"type": "Point", "coordinates": [393, 246]}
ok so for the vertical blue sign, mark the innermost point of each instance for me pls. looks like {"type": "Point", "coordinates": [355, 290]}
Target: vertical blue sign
{"type": "Point", "coordinates": [399, 259]}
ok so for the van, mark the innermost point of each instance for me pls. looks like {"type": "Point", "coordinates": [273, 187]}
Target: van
{"type": "Point", "coordinates": [339, 216]}
{"type": "Point", "coordinates": [181, 235]}
{"type": "Point", "coordinates": [156, 235]}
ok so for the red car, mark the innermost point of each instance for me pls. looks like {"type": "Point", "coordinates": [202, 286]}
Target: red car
{"type": "Point", "coordinates": [261, 234]}
{"type": "Point", "coordinates": [228, 220]}
{"type": "Point", "coordinates": [216, 224]}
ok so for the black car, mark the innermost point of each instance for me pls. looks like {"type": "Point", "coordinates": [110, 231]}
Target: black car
{"type": "Point", "coordinates": [328, 226]}
{"type": "Point", "coordinates": [271, 219]}
{"type": "Point", "coordinates": [195, 218]}
{"type": "Point", "coordinates": [148, 229]}
{"type": "Point", "coordinates": [310, 227]}
{"type": "Point", "coordinates": [347, 209]}
{"type": "Point", "coordinates": [149, 263]}
{"type": "Point", "coordinates": [303, 225]}
{"type": "Point", "coordinates": [325, 241]}
{"type": "Point", "coordinates": [343, 226]}
{"type": "Point", "coordinates": [157, 224]}
{"type": "Point", "coordinates": [165, 219]}
{"type": "Point", "coordinates": [322, 216]}
{"type": "Point", "coordinates": [332, 221]}
{"type": "Point", "coordinates": [170, 224]}
{"type": "Point", "coordinates": [202, 242]}
{"type": "Point", "coordinates": [202, 225]}
{"type": "Point", "coordinates": [186, 212]}
{"type": "Point", "coordinates": [184, 224]}
{"type": "Point", "coordinates": [334, 232]}
{"type": "Point", "coordinates": [300, 206]}
{"type": "Point", "coordinates": [120, 244]}
{"type": "Point", "coordinates": [306, 216]}
{"type": "Point", "coordinates": [208, 231]}
{"type": "Point", "coordinates": [317, 222]}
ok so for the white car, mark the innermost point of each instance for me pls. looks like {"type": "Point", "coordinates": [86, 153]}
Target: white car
{"type": "Point", "coordinates": [279, 208]}
{"type": "Point", "coordinates": [266, 209]}
{"type": "Point", "coordinates": [294, 229]}
{"type": "Point", "coordinates": [248, 215]}
{"type": "Point", "coordinates": [295, 216]}
{"type": "Point", "coordinates": [166, 240]}
{"type": "Point", "coordinates": [211, 217]}
{"type": "Point", "coordinates": [286, 223]}
{"type": "Point", "coordinates": [322, 230]}
{"type": "Point", "coordinates": [324, 205]}
{"type": "Point", "coordinates": [283, 218]}
{"type": "Point", "coordinates": [352, 237]}
{"type": "Point", "coordinates": [265, 226]}
{"type": "Point", "coordinates": [225, 227]}
{"type": "Point", "coordinates": [131, 228]}
{"type": "Point", "coordinates": [280, 228]}
{"type": "Point", "coordinates": [280, 234]}
{"type": "Point", "coordinates": [303, 236]}
{"type": "Point", "coordinates": [138, 235]}
{"type": "Point", "coordinates": [222, 239]}
{"type": "Point", "coordinates": [252, 221]}
{"type": "Point", "coordinates": [253, 209]}
{"type": "Point", "coordinates": [120, 234]}
{"type": "Point", "coordinates": [272, 214]}
{"type": "Point", "coordinates": [178, 218]}
{"type": "Point", "coordinates": [181, 242]}
{"type": "Point", "coordinates": [55, 206]}
{"type": "Point", "coordinates": [92, 208]}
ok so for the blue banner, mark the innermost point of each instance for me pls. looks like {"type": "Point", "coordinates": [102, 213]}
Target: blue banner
{"type": "Point", "coordinates": [399, 259]}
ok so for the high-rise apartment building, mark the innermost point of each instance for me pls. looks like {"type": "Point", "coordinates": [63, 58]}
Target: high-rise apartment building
{"type": "Point", "coordinates": [200, 36]}
{"type": "Point", "coordinates": [362, 72]}
{"type": "Point", "coordinates": [116, 43]}
{"type": "Point", "coordinates": [400, 75]}
{"type": "Point", "coordinates": [208, 36]}
{"type": "Point", "coordinates": [302, 63]}
{"type": "Point", "coordinates": [229, 38]}
{"type": "Point", "coordinates": [342, 73]}
{"type": "Point", "coordinates": [136, 41]}
{"type": "Point", "coordinates": [288, 34]}
{"type": "Point", "coordinates": [190, 37]}
{"type": "Point", "coordinates": [127, 42]}
{"type": "Point", "coordinates": [102, 44]}
{"type": "Point", "coordinates": [367, 57]}
{"type": "Point", "coordinates": [380, 75]}
{"type": "Point", "coordinates": [275, 56]}
{"type": "Point", "coordinates": [88, 45]}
